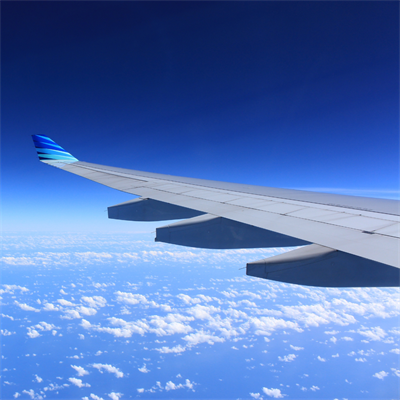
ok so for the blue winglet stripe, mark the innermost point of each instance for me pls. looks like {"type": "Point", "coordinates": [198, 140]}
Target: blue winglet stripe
{"type": "Point", "coordinates": [48, 150]}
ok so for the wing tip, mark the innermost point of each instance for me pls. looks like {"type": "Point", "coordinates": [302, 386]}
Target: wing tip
{"type": "Point", "coordinates": [50, 152]}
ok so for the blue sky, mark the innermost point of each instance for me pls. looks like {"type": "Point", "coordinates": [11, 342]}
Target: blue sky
{"type": "Point", "coordinates": [283, 94]}
{"type": "Point", "coordinates": [290, 94]}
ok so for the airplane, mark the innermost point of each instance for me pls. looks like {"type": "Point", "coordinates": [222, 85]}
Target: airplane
{"type": "Point", "coordinates": [341, 241]}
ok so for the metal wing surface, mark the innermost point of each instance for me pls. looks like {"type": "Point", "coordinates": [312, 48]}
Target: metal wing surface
{"type": "Point", "coordinates": [346, 241]}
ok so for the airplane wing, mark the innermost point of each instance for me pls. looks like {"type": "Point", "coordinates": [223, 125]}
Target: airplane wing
{"type": "Point", "coordinates": [346, 241]}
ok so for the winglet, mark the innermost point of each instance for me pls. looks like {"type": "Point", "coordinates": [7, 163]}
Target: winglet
{"type": "Point", "coordinates": [50, 152]}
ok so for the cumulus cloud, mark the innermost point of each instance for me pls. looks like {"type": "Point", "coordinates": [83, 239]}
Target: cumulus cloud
{"type": "Point", "coordinates": [172, 386]}
{"type": "Point", "coordinates": [380, 375]}
{"type": "Point", "coordinates": [50, 307]}
{"type": "Point", "coordinates": [80, 370]}
{"type": "Point", "coordinates": [376, 333]}
{"type": "Point", "coordinates": [267, 325]}
{"type": "Point", "coordinates": [275, 393]}
{"type": "Point", "coordinates": [130, 298]}
{"type": "Point", "coordinates": [66, 303]}
{"type": "Point", "coordinates": [187, 299]}
{"type": "Point", "coordinates": [202, 337]}
{"type": "Point", "coordinates": [319, 358]}
{"type": "Point", "coordinates": [29, 392]}
{"type": "Point", "coordinates": [296, 348]}
{"type": "Point", "coordinates": [396, 372]}
{"type": "Point", "coordinates": [144, 369]}
{"type": "Point", "coordinates": [161, 326]}
{"type": "Point", "coordinates": [86, 310]}
{"type": "Point", "coordinates": [33, 333]}
{"type": "Point", "coordinates": [71, 314]}
{"type": "Point", "coordinates": [288, 358]}
{"type": "Point", "coordinates": [202, 312]}
{"type": "Point", "coordinates": [314, 388]}
{"type": "Point", "coordinates": [331, 332]}
{"type": "Point", "coordinates": [175, 349]}
{"type": "Point", "coordinates": [5, 332]}
{"type": "Point", "coordinates": [25, 307]}
{"type": "Point", "coordinates": [95, 301]}
{"type": "Point", "coordinates": [109, 368]}
{"type": "Point", "coordinates": [95, 397]}
{"type": "Point", "coordinates": [78, 382]}
{"type": "Point", "coordinates": [115, 396]}
{"type": "Point", "coordinates": [10, 289]}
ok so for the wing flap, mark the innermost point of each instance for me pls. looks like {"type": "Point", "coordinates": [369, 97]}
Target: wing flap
{"type": "Point", "coordinates": [316, 265]}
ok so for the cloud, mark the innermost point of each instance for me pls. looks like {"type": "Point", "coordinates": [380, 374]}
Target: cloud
{"type": "Point", "coordinates": [296, 348]}
{"type": "Point", "coordinates": [5, 332]}
{"type": "Point", "coordinates": [187, 299]}
{"type": "Point", "coordinates": [288, 358]}
{"type": "Point", "coordinates": [115, 396]}
{"type": "Point", "coordinates": [395, 351]}
{"type": "Point", "coordinates": [314, 388]}
{"type": "Point", "coordinates": [130, 298]}
{"type": "Point", "coordinates": [109, 368]}
{"type": "Point", "coordinates": [12, 288]}
{"type": "Point", "coordinates": [276, 393]}
{"type": "Point", "coordinates": [202, 337]}
{"type": "Point", "coordinates": [95, 397]}
{"type": "Point", "coordinates": [267, 325]}
{"type": "Point", "coordinates": [33, 333]}
{"type": "Point", "coordinates": [176, 349]}
{"type": "Point", "coordinates": [50, 307]}
{"type": "Point", "coordinates": [78, 382]}
{"type": "Point", "coordinates": [71, 314]}
{"type": "Point", "coordinates": [380, 375]}
{"type": "Point", "coordinates": [7, 316]}
{"type": "Point", "coordinates": [376, 333]}
{"type": "Point", "coordinates": [66, 303]}
{"type": "Point", "coordinates": [144, 369]}
{"type": "Point", "coordinates": [38, 379]}
{"type": "Point", "coordinates": [202, 312]}
{"type": "Point", "coordinates": [25, 307]}
{"type": "Point", "coordinates": [172, 386]}
{"type": "Point", "coordinates": [95, 301]}
{"type": "Point", "coordinates": [319, 358]}
{"type": "Point", "coordinates": [86, 310]}
{"type": "Point", "coordinates": [396, 372]}
{"type": "Point", "coordinates": [29, 392]}
{"type": "Point", "coordinates": [80, 370]}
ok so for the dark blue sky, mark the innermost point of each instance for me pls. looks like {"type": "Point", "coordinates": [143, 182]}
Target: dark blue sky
{"type": "Point", "coordinates": [285, 94]}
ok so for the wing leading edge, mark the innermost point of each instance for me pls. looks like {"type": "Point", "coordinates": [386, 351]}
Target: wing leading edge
{"type": "Point", "coordinates": [348, 241]}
